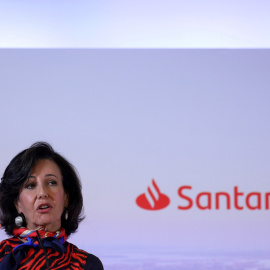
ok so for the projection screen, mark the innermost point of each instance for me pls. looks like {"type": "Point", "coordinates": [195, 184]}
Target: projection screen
{"type": "Point", "coordinates": [172, 148]}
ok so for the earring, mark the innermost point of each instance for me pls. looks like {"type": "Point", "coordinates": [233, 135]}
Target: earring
{"type": "Point", "coordinates": [19, 220]}
{"type": "Point", "coordinates": [66, 214]}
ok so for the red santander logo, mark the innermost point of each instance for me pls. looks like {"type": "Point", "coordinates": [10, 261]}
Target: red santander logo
{"type": "Point", "coordinates": [153, 199]}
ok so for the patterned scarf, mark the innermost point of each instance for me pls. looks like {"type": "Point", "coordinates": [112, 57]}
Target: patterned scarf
{"type": "Point", "coordinates": [30, 238]}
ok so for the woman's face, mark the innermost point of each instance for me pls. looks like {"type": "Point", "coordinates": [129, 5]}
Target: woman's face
{"type": "Point", "coordinates": [42, 198]}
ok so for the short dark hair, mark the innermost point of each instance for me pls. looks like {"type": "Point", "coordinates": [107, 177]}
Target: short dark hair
{"type": "Point", "coordinates": [18, 171]}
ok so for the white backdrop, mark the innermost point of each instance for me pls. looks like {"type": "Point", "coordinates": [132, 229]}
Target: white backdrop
{"type": "Point", "coordinates": [123, 117]}
{"type": "Point", "coordinates": [135, 24]}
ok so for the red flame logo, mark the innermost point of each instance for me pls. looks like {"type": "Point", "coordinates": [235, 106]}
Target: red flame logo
{"type": "Point", "coordinates": [153, 199]}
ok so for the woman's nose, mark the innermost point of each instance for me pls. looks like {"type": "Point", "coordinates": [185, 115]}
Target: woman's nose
{"type": "Point", "coordinates": [42, 193]}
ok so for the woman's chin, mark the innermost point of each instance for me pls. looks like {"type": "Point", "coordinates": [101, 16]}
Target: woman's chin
{"type": "Point", "coordinates": [46, 226]}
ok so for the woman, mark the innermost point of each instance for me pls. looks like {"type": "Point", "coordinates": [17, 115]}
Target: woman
{"type": "Point", "coordinates": [40, 206]}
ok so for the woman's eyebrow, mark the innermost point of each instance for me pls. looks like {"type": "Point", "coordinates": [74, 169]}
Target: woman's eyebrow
{"type": "Point", "coordinates": [50, 174]}
{"type": "Point", "coordinates": [46, 175]}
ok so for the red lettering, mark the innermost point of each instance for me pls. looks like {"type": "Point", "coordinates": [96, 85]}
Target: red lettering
{"type": "Point", "coordinates": [204, 199]}
{"type": "Point", "coordinates": [236, 195]}
{"type": "Point", "coordinates": [258, 195]}
{"type": "Point", "coordinates": [188, 199]}
{"type": "Point", "coordinates": [267, 195]}
{"type": "Point", "coordinates": [208, 198]}
{"type": "Point", "coordinates": [218, 194]}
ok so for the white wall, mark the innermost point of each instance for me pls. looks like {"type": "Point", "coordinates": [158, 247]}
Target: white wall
{"type": "Point", "coordinates": [135, 24]}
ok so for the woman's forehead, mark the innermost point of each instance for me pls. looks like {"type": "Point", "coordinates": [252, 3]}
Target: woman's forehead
{"type": "Point", "coordinates": [45, 167]}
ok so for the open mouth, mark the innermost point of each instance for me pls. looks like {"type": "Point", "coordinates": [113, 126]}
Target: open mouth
{"type": "Point", "coordinates": [44, 207]}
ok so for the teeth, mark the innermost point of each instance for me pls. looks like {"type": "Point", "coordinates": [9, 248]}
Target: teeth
{"type": "Point", "coordinates": [44, 207]}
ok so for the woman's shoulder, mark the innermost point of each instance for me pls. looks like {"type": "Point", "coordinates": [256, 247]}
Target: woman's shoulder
{"type": "Point", "coordinates": [8, 245]}
{"type": "Point", "coordinates": [92, 261]}
{"type": "Point", "coordinates": [10, 242]}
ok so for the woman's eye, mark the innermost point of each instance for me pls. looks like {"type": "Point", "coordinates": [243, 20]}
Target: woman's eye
{"type": "Point", "coordinates": [29, 185]}
{"type": "Point", "coordinates": [52, 183]}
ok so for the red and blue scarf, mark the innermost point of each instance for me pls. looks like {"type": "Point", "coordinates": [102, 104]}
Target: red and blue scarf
{"type": "Point", "coordinates": [33, 239]}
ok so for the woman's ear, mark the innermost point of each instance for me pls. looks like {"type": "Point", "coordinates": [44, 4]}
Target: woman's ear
{"type": "Point", "coordinates": [66, 200]}
{"type": "Point", "coordinates": [17, 205]}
